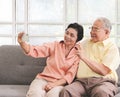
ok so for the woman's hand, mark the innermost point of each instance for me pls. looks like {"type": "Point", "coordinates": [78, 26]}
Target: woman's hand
{"type": "Point", "coordinates": [24, 45]}
{"type": "Point", "coordinates": [19, 39]}
{"type": "Point", "coordinates": [49, 86]}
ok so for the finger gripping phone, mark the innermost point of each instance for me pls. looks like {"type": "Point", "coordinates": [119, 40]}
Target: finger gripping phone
{"type": "Point", "coordinates": [25, 37]}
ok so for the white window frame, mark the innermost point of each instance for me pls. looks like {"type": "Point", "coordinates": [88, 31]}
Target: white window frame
{"type": "Point", "coordinates": [64, 23]}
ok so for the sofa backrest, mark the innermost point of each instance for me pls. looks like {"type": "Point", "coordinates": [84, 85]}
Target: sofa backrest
{"type": "Point", "coordinates": [118, 72]}
{"type": "Point", "coordinates": [18, 68]}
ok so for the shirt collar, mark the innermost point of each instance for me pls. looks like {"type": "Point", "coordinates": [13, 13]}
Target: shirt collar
{"type": "Point", "coordinates": [62, 41]}
{"type": "Point", "coordinates": [104, 43]}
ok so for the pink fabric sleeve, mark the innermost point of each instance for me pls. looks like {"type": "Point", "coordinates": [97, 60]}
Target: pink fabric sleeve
{"type": "Point", "coordinates": [41, 51]}
{"type": "Point", "coordinates": [70, 74]}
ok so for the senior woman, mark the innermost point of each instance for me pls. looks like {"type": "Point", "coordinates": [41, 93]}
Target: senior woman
{"type": "Point", "coordinates": [62, 62]}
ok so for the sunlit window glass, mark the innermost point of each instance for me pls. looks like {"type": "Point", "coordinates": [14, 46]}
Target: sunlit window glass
{"type": "Point", "coordinates": [71, 11]}
{"type": "Point", "coordinates": [46, 20]}
{"type": "Point", "coordinates": [118, 32]}
{"type": "Point", "coordinates": [118, 11]}
{"type": "Point", "coordinates": [20, 28]}
{"type": "Point", "coordinates": [41, 40]}
{"type": "Point", "coordinates": [46, 30]}
{"type": "Point", "coordinates": [118, 41]}
{"type": "Point", "coordinates": [46, 10]}
{"type": "Point", "coordinates": [5, 41]}
{"type": "Point", "coordinates": [6, 29]}
{"type": "Point", "coordinates": [20, 10]}
{"type": "Point", "coordinates": [5, 10]}
{"type": "Point", "coordinates": [91, 9]}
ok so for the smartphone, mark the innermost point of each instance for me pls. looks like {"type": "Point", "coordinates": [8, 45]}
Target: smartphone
{"type": "Point", "coordinates": [25, 37]}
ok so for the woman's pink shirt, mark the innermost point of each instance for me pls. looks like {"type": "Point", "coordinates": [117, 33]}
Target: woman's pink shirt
{"type": "Point", "coordinates": [58, 66]}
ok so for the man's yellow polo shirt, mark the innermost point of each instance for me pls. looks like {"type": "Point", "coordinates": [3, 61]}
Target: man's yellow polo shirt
{"type": "Point", "coordinates": [105, 52]}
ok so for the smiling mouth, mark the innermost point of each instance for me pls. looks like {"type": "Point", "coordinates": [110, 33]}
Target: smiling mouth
{"type": "Point", "coordinates": [67, 40]}
{"type": "Point", "coordinates": [93, 36]}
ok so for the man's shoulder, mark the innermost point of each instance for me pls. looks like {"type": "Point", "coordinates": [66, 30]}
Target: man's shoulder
{"type": "Point", "coordinates": [110, 43]}
{"type": "Point", "coordinates": [85, 41]}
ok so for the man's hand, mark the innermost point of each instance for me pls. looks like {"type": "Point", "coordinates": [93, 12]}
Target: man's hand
{"type": "Point", "coordinates": [80, 51]}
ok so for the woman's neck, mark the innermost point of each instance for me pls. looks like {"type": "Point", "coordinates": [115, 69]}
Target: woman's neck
{"type": "Point", "coordinates": [68, 48]}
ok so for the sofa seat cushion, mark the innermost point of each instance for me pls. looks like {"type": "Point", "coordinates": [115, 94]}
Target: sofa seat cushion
{"type": "Point", "coordinates": [16, 68]}
{"type": "Point", "coordinates": [13, 90]}
{"type": "Point", "coordinates": [118, 94]}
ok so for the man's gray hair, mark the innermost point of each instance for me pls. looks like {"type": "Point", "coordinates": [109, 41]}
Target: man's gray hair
{"type": "Point", "coordinates": [107, 23]}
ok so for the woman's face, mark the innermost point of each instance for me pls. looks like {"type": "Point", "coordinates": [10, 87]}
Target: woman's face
{"type": "Point", "coordinates": [70, 36]}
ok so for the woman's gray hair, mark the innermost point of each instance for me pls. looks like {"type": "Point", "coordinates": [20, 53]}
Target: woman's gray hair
{"type": "Point", "coordinates": [106, 22]}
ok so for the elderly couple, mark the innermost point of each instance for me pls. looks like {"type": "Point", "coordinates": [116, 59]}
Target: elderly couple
{"type": "Point", "coordinates": [76, 68]}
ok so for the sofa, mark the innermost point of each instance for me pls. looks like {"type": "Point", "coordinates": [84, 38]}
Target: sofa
{"type": "Point", "coordinates": [18, 70]}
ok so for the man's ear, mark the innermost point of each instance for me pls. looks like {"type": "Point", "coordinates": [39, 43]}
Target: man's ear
{"type": "Point", "coordinates": [107, 31]}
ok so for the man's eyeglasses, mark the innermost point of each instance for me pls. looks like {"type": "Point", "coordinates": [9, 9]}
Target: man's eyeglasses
{"type": "Point", "coordinates": [95, 29]}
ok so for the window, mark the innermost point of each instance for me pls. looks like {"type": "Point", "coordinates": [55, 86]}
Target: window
{"type": "Point", "coordinates": [46, 20]}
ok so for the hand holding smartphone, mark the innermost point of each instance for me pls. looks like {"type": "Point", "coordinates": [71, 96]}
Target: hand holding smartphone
{"type": "Point", "coordinates": [25, 37]}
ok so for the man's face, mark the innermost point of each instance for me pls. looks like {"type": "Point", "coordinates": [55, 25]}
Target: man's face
{"type": "Point", "coordinates": [98, 31]}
